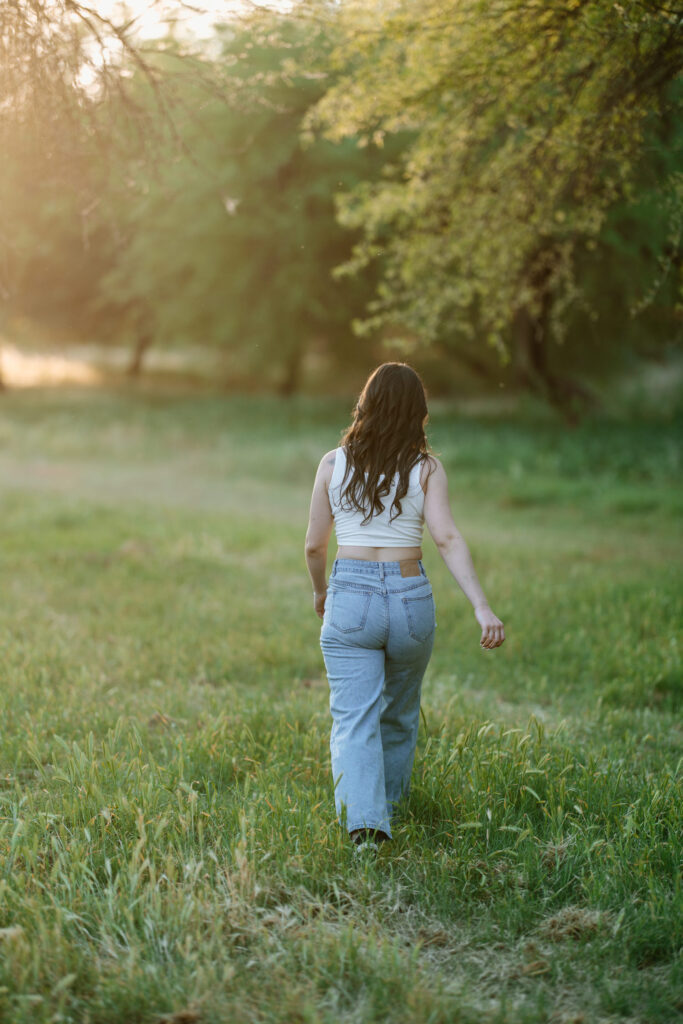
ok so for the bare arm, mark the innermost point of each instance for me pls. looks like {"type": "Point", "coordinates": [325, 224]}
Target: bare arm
{"type": "Point", "coordinates": [456, 555]}
{"type": "Point", "coordinates": [320, 523]}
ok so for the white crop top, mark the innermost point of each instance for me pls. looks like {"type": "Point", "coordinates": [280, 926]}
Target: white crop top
{"type": "Point", "coordinates": [404, 531]}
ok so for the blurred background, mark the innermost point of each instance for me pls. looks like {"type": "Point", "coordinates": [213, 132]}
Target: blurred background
{"type": "Point", "coordinates": [215, 219]}
{"type": "Point", "coordinates": [272, 199]}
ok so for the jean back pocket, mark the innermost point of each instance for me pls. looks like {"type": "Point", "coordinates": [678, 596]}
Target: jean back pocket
{"type": "Point", "coordinates": [349, 609]}
{"type": "Point", "coordinates": [420, 616]}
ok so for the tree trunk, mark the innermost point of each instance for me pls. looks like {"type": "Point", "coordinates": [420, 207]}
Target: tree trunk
{"type": "Point", "coordinates": [143, 342]}
{"type": "Point", "coordinates": [290, 381]}
{"type": "Point", "coordinates": [568, 396]}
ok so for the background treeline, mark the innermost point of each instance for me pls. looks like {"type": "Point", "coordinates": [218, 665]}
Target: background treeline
{"type": "Point", "coordinates": [494, 191]}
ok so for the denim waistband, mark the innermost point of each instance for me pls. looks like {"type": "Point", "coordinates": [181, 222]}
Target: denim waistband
{"type": "Point", "coordinates": [377, 569]}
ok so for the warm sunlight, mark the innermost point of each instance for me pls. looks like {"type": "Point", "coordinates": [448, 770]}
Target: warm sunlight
{"type": "Point", "coordinates": [185, 19]}
{"type": "Point", "coordinates": [197, 19]}
{"type": "Point", "coordinates": [321, 322]}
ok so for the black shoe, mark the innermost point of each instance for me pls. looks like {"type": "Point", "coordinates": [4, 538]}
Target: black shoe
{"type": "Point", "coordinates": [369, 836]}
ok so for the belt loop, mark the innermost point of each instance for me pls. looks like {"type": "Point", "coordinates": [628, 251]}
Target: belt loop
{"type": "Point", "coordinates": [334, 568]}
{"type": "Point", "coordinates": [381, 571]}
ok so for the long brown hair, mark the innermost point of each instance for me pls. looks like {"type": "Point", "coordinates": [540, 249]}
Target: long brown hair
{"type": "Point", "coordinates": [386, 437]}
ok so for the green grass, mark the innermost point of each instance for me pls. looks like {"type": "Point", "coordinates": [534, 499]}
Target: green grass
{"type": "Point", "coordinates": [167, 832]}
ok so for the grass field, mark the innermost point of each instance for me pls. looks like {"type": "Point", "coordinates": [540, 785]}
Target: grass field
{"type": "Point", "coordinates": [168, 848]}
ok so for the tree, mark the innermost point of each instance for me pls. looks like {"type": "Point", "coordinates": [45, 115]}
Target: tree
{"type": "Point", "coordinates": [64, 68]}
{"type": "Point", "coordinates": [232, 241]}
{"type": "Point", "coordinates": [530, 120]}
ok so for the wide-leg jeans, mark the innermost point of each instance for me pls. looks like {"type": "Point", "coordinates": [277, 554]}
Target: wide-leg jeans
{"type": "Point", "coordinates": [376, 639]}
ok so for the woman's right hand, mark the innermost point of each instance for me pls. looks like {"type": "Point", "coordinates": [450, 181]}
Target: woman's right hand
{"type": "Point", "coordinates": [319, 603]}
{"type": "Point", "coordinates": [492, 630]}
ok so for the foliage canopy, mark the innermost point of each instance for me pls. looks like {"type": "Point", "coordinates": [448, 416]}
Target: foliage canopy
{"type": "Point", "coordinates": [530, 121]}
{"type": "Point", "coordinates": [497, 184]}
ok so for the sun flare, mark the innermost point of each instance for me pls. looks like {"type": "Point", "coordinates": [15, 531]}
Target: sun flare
{"type": "Point", "coordinates": [152, 20]}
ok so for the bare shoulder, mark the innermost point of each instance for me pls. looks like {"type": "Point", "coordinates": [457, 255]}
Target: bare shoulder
{"type": "Point", "coordinates": [326, 467]}
{"type": "Point", "coordinates": [430, 466]}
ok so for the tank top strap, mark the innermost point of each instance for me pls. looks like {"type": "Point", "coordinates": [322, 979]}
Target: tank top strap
{"type": "Point", "coordinates": [339, 468]}
{"type": "Point", "coordinates": [414, 484]}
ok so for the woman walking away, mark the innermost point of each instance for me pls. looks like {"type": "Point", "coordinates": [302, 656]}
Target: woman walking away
{"type": "Point", "coordinates": [378, 489]}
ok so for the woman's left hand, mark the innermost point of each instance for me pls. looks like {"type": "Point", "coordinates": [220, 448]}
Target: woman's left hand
{"type": "Point", "coordinates": [492, 629]}
{"type": "Point", "coordinates": [319, 603]}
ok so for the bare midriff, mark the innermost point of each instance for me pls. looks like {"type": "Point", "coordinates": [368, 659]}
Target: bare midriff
{"type": "Point", "coordinates": [364, 554]}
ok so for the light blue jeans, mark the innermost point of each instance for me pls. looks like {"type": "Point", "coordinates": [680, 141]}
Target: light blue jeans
{"type": "Point", "coordinates": [376, 639]}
